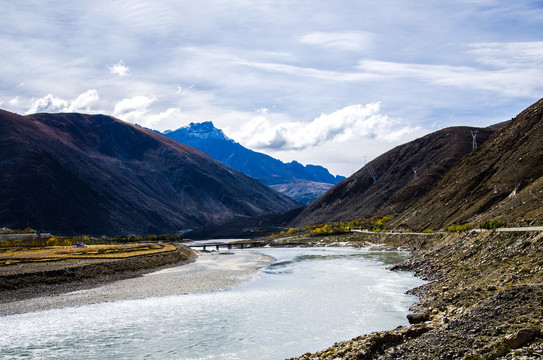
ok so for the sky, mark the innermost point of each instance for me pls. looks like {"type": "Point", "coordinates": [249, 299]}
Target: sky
{"type": "Point", "coordinates": [332, 83]}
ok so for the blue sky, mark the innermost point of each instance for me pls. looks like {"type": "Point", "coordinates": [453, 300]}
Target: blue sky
{"type": "Point", "coordinates": [333, 83]}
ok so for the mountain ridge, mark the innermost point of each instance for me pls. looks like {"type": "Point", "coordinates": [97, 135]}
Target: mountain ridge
{"type": "Point", "coordinates": [502, 180]}
{"type": "Point", "coordinates": [270, 171]}
{"type": "Point", "coordinates": [77, 173]}
{"type": "Point", "coordinates": [396, 186]}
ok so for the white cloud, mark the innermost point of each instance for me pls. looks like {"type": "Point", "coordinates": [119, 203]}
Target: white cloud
{"type": "Point", "coordinates": [14, 101]}
{"type": "Point", "coordinates": [119, 69]}
{"type": "Point", "coordinates": [517, 74]}
{"type": "Point", "coordinates": [185, 90]}
{"type": "Point", "coordinates": [424, 71]}
{"type": "Point", "coordinates": [137, 110]}
{"type": "Point", "coordinates": [508, 69]}
{"type": "Point", "coordinates": [348, 40]}
{"type": "Point", "coordinates": [50, 103]}
{"type": "Point", "coordinates": [173, 115]}
{"type": "Point", "coordinates": [345, 124]}
{"type": "Point", "coordinates": [136, 104]}
{"type": "Point", "coordinates": [311, 72]}
{"type": "Point", "coordinates": [83, 102]}
{"type": "Point", "coordinates": [509, 54]}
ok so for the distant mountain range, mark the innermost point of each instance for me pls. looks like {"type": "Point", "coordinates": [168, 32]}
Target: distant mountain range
{"type": "Point", "coordinates": [303, 183]}
{"type": "Point", "coordinates": [94, 174]}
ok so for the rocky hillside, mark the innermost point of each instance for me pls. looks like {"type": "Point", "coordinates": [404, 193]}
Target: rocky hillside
{"type": "Point", "coordinates": [94, 174]}
{"type": "Point", "coordinates": [502, 180]}
{"type": "Point", "coordinates": [303, 183]}
{"type": "Point", "coordinates": [395, 187]}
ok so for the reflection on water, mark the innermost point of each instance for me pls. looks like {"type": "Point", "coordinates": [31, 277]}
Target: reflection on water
{"type": "Point", "coordinates": [305, 301]}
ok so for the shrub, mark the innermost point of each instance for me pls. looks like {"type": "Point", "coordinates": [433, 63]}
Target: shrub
{"type": "Point", "coordinates": [491, 224]}
{"type": "Point", "coordinates": [457, 228]}
{"type": "Point", "coordinates": [52, 242]}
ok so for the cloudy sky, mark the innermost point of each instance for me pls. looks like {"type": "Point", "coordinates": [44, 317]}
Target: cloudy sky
{"type": "Point", "coordinates": [323, 82]}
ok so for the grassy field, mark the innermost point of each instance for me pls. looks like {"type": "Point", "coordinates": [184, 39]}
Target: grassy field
{"type": "Point", "coordinates": [18, 255]}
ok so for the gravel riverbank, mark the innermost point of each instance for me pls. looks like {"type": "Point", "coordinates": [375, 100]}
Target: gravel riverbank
{"type": "Point", "coordinates": [209, 272]}
{"type": "Point", "coordinates": [46, 278]}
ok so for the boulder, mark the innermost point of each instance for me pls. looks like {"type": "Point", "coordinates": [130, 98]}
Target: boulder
{"type": "Point", "coordinates": [418, 318]}
{"type": "Point", "coordinates": [521, 338]}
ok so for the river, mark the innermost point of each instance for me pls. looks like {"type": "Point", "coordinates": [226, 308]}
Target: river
{"type": "Point", "coordinates": [303, 302]}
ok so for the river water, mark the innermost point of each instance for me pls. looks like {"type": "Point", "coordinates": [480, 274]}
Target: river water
{"type": "Point", "coordinates": [303, 302]}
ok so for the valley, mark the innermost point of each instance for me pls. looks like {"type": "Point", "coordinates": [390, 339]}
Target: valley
{"type": "Point", "coordinates": [301, 180]}
{"type": "Point", "coordinates": [483, 290]}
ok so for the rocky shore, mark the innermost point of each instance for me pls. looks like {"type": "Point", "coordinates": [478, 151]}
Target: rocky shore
{"type": "Point", "coordinates": [484, 300]}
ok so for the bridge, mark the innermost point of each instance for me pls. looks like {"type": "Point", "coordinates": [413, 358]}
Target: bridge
{"type": "Point", "coordinates": [218, 245]}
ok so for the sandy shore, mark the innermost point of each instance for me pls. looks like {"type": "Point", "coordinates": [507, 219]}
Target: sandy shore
{"type": "Point", "coordinates": [210, 272]}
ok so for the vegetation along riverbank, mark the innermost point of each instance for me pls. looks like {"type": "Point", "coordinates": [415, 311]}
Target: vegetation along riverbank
{"type": "Point", "coordinates": [483, 299]}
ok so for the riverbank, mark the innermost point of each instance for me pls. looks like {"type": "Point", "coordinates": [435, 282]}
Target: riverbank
{"type": "Point", "coordinates": [482, 301]}
{"type": "Point", "coordinates": [208, 272]}
{"type": "Point", "coordinates": [33, 277]}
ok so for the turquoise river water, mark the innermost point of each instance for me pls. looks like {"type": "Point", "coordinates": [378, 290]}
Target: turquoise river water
{"type": "Point", "coordinates": [305, 301]}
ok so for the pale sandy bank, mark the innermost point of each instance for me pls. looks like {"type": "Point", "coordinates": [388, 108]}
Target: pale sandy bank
{"type": "Point", "coordinates": [210, 272]}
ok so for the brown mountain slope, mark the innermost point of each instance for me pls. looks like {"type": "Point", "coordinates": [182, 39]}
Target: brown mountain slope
{"type": "Point", "coordinates": [94, 174]}
{"type": "Point", "coordinates": [482, 185]}
{"type": "Point", "coordinates": [396, 188]}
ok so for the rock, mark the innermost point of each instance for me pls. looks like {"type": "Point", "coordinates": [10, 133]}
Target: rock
{"type": "Point", "coordinates": [417, 318]}
{"type": "Point", "coordinates": [521, 338]}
